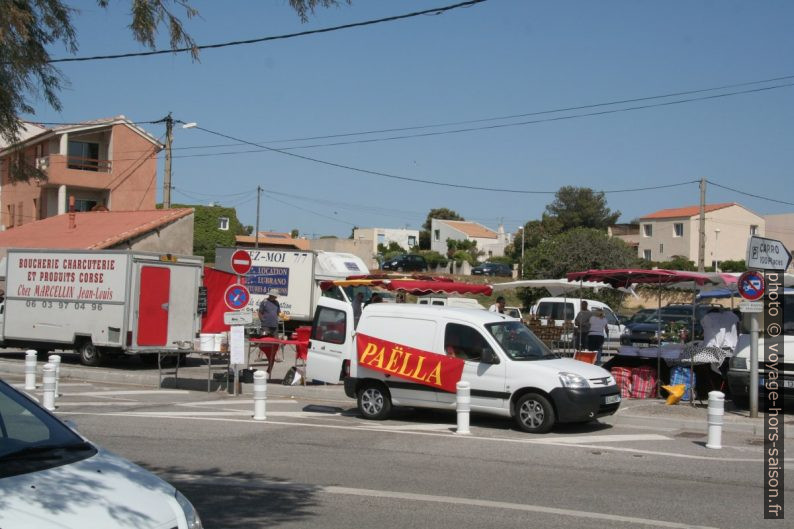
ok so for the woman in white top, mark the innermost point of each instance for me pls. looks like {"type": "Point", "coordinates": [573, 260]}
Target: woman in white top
{"type": "Point", "coordinates": [596, 334]}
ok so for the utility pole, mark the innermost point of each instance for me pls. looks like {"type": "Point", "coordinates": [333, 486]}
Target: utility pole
{"type": "Point", "coordinates": [169, 137]}
{"type": "Point", "coordinates": [523, 231]}
{"type": "Point", "coordinates": [702, 229]}
{"type": "Point", "coordinates": [256, 238]}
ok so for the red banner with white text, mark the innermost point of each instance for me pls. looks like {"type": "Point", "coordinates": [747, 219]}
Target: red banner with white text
{"type": "Point", "coordinates": [423, 367]}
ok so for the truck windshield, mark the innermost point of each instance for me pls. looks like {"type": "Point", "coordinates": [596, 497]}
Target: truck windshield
{"type": "Point", "coordinates": [518, 342]}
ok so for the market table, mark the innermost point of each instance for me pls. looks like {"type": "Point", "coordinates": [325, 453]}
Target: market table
{"type": "Point", "coordinates": [300, 347]}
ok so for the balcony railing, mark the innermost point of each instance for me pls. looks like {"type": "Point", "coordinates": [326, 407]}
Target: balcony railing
{"type": "Point", "coordinates": [88, 164]}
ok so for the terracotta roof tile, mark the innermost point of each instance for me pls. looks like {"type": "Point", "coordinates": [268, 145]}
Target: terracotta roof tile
{"type": "Point", "coordinates": [472, 229]}
{"type": "Point", "coordinates": [688, 211]}
{"type": "Point", "coordinates": [269, 238]}
{"type": "Point", "coordinates": [94, 230]}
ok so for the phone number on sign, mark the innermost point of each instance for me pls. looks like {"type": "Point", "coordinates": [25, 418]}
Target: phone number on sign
{"type": "Point", "coordinates": [65, 305]}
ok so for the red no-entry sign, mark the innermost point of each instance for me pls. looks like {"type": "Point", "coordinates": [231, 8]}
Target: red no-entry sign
{"type": "Point", "coordinates": [241, 262]}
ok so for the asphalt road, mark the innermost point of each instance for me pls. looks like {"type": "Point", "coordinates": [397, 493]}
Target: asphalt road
{"type": "Point", "coordinates": [315, 463]}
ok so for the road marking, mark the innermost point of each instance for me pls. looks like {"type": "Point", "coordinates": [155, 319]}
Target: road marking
{"type": "Point", "coordinates": [429, 498]}
{"type": "Point", "coordinates": [439, 434]}
{"type": "Point", "coordinates": [229, 402]}
{"type": "Point", "coordinates": [616, 438]}
{"type": "Point", "coordinates": [131, 392]}
{"type": "Point", "coordinates": [60, 403]}
{"type": "Point", "coordinates": [421, 427]}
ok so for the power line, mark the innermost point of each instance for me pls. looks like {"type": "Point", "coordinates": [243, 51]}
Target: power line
{"type": "Point", "coordinates": [310, 211]}
{"type": "Point", "coordinates": [433, 11]}
{"type": "Point", "coordinates": [472, 129]}
{"type": "Point", "coordinates": [513, 116]}
{"type": "Point", "coordinates": [423, 181]}
{"type": "Point", "coordinates": [750, 194]}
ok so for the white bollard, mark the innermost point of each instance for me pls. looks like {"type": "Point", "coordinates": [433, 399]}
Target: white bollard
{"type": "Point", "coordinates": [56, 361]}
{"type": "Point", "coordinates": [49, 387]}
{"type": "Point", "coordinates": [716, 412]}
{"type": "Point", "coordinates": [463, 407]}
{"type": "Point", "coordinates": [30, 370]}
{"type": "Point", "coordinates": [260, 394]}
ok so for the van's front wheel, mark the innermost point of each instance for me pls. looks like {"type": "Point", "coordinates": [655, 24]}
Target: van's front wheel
{"type": "Point", "coordinates": [534, 413]}
{"type": "Point", "coordinates": [374, 402]}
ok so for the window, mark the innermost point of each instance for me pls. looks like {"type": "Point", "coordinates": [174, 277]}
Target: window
{"type": "Point", "coordinates": [83, 155]}
{"type": "Point", "coordinates": [661, 248]}
{"type": "Point", "coordinates": [382, 238]}
{"type": "Point", "coordinates": [436, 235]}
{"type": "Point", "coordinates": [11, 215]}
{"type": "Point", "coordinates": [464, 342]}
{"type": "Point", "coordinates": [678, 229]}
{"type": "Point", "coordinates": [19, 214]}
{"type": "Point", "coordinates": [411, 241]}
{"type": "Point", "coordinates": [223, 223]}
{"type": "Point", "coordinates": [556, 310]}
{"type": "Point", "coordinates": [754, 229]}
{"type": "Point", "coordinates": [647, 230]}
{"type": "Point", "coordinates": [329, 326]}
{"type": "Point", "coordinates": [646, 254]}
{"type": "Point", "coordinates": [82, 204]}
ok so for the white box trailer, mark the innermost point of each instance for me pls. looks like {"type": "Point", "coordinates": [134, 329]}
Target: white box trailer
{"type": "Point", "coordinates": [295, 274]}
{"type": "Point", "coordinates": [100, 302]}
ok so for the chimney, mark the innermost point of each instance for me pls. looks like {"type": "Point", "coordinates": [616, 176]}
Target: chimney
{"type": "Point", "coordinates": [72, 215]}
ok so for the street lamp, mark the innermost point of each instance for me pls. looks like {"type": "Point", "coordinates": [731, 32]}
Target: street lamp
{"type": "Point", "coordinates": [716, 246]}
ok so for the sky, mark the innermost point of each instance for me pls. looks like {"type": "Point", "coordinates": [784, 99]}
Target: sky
{"type": "Point", "coordinates": [497, 58]}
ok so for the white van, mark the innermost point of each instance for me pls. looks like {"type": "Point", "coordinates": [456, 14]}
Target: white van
{"type": "Point", "coordinates": [561, 309]}
{"type": "Point", "coordinates": [511, 372]}
{"type": "Point", "coordinates": [739, 371]}
{"type": "Point", "coordinates": [469, 303]}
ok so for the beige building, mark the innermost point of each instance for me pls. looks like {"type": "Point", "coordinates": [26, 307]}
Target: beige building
{"type": "Point", "coordinates": [781, 227]}
{"type": "Point", "coordinates": [674, 232]}
{"type": "Point", "coordinates": [491, 243]}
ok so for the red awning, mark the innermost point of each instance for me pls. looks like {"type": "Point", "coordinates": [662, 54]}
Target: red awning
{"type": "Point", "coordinates": [625, 277]}
{"type": "Point", "coordinates": [423, 287]}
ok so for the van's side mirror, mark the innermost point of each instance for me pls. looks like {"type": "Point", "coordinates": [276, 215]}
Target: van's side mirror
{"type": "Point", "coordinates": [488, 356]}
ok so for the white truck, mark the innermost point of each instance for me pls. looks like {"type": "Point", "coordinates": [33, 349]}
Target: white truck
{"type": "Point", "coordinates": [296, 275]}
{"type": "Point", "coordinates": [100, 302]}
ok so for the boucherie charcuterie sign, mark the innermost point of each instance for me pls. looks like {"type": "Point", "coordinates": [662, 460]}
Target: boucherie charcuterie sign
{"type": "Point", "coordinates": [423, 367]}
{"type": "Point", "coordinates": [68, 276]}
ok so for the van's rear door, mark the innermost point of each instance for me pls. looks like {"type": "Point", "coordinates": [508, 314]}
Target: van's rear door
{"type": "Point", "coordinates": [331, 340]}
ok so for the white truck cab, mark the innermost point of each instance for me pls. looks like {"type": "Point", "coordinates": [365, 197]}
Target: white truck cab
{"type": "Point", "coordinates": [402, 355]}
{"type": "Point", "coordinates": [562, 309]}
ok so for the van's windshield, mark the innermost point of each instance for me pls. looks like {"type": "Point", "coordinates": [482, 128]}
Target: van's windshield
{"type": "Point", "coordinates": [518, 342]}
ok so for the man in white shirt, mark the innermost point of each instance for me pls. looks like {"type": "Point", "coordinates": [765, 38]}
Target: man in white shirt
{"type": "Point", "coordinates": [499, 306]}
{"type": "Point", "coordinates": [719, 329]}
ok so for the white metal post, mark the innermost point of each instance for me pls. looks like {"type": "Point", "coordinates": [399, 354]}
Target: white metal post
{"type": "Point", "coordinates": [30, 370]}
{"type": "Point", "coordinates": [260, 395]}
{"type": "Point", "coordinates": [716, 412]}
{"type": "Point", "coordinates": [463, 407]}
{"type": "Point", "coordinates": [754, 330]}
{"type": "Point", "coordinates": [49, 387]}
{"type": "Point", "coordinates": [56, 361]}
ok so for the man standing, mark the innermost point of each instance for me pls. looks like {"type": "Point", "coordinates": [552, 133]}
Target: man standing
{"type": "Point", "coordinates": [499, 306]}
{"type": "Point", "coordinates": [269, 310]}
{"type": "Point", "coordinates": [582, 325]}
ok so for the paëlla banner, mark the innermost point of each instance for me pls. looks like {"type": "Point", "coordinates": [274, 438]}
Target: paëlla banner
{"type": "Point", "coordinates": [423, 367]}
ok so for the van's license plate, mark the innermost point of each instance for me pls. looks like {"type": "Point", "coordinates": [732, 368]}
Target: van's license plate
{"type": "Point", "coordinates": [611, 399]}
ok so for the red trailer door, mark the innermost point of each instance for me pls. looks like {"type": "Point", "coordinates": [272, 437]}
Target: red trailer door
{"type": "Point", "coordinates": [154, 288]}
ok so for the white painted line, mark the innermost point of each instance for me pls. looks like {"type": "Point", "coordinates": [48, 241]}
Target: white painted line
{"type": "Point", "coordinates": [232, 402]}
{"type": "Point", "coordinates": [617, 438]}
{"type": "Point", "coordinates": [390, 496]}
{"type": "Point", "coordinates": [450, 436]}
{"type": "Point", "coordinates": [104, 403]}
{"type": "Point", "coordinates": [180, 414]}
{"type": "Point", "coordinates": [419, 427]}
{"type": "Point", "coordinates": [131, 392]}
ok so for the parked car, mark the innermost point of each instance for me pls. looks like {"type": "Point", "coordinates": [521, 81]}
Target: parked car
{"type": "Point", "coordinates": [406, 262]}
{"type": "Point", "coordinates": [644, 327]}
{"type": "Point", "coordinates": [493, 269]}
{"type": "Point", "coordinates": [565, 309]}
{"type": "Point", "coordinates": [514, 312]}
{"type": "Point", "coordinates": [51, 477]}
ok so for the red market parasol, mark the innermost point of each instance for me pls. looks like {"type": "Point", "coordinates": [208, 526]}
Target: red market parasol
{"type": "Point", "coordinates": [625, 277]}
{"type": "Point", "coordinates": [416, 285]}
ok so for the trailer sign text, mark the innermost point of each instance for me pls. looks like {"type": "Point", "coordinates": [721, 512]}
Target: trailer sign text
{"type": "Point", "coordinates": [68, 278]}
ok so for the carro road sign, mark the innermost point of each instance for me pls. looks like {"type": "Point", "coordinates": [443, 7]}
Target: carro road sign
{"type": "Point", "coordinates": [751, 285]}
{"type": "Point", "coordinates": [236, 297]}
{"type": "Point", "coordinates": [767, 254]}
{"type": "Point", "coordinates": [241, 262]}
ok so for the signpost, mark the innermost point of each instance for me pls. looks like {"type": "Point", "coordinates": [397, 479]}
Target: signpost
{"type": "Point", "coordinates": [767, 254]}
{"type": "Point", "coordinates": [762, 254]}
{"type": "Point", "coordinates": [237, 298]}
{"type": "Point", "coordinates": [238, 318]}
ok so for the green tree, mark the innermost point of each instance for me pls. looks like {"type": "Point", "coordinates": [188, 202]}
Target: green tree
{"type": "Point", "coordinates": [581, 207]}
{"type": "Point", "coordinates": [576, 250]}
{"type": "Point", "coordinates": [29, 28]}
{"type": "Point", "coordinates": [436, 213]}
{"type": "Point", "coordinates": [206, 235]}
{"type": "Point", "coordinates": [535, 232]}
